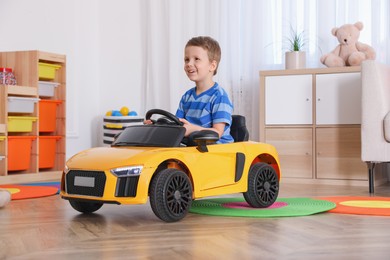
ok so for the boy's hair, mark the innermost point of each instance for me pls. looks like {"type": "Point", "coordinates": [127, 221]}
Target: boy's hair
{"type": "Point", "coordinates": [210, 45]}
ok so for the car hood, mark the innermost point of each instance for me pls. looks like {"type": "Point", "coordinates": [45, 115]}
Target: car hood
{"type": "Point", "coordinates": [104, 158]}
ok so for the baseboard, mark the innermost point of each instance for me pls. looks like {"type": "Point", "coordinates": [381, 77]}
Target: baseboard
{"type": "Point", "coordinates": [357, 183]}
{"type": "Point", "coordinates": [31, 177]}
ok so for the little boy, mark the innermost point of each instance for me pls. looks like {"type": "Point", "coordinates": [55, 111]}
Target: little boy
{"type": "Point", "coordinates": [207, 105]}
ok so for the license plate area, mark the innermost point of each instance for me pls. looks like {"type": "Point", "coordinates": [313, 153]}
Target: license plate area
{"type": "Point", "coordinates": [84, 181]}
{"type": "Point", "coordinates": [88, 183]}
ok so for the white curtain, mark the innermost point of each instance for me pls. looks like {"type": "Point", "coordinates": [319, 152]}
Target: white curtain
{"type": "Point", "coordinates": [252, 37]}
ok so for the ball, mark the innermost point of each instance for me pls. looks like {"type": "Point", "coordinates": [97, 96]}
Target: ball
{"type": "Point", "coordinates": [116, 113]}
{"type": "Point", "coordinates": [124, 111]}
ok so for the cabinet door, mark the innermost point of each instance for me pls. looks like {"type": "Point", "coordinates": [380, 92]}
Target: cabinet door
{"type": "Point", "coordinates": [288, 100]}
{"type": "Point", "coordinates": [294, 146]}
{"type": "Point", "coordinates": [338, 98]}
{"type": "Point", "coordinates": [338, 154]}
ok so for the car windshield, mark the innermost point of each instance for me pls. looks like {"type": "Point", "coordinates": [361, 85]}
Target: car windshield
{"type": "Point", "coordinates": [151, 135]}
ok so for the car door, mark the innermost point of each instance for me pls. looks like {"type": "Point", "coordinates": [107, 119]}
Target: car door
{"type": "Point", "coordinates": [217, 167]}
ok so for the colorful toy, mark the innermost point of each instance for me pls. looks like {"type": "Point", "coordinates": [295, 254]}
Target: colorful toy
{"type": "Point", "coordinates": [149, 161]}
{"type": "Point", "coordinates": [124, 111]}
{"type": "Point", "coordinates": [116, 113]}
{"type": "Point", "coordinates": [350, 52]}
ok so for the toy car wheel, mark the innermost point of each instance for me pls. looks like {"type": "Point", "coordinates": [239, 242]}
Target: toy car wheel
{"type": "Point", "coordinates": [263, 186]}
{"type": "Point", "coordinates": [170, 195]}
{"type": "Point", "coordinates": [85, 207]}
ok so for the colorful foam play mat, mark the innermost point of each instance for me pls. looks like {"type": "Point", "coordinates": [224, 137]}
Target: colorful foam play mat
{"type": "Point", "coordinates": [283, 207]}
{"type": "Point", "coordinates": [31, 190]}
{"type": "Point", "coordinates": [379, 206]}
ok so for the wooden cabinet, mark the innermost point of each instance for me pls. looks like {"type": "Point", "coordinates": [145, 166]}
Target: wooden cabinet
{"type": "Point", "coordinates": [312, 117]}
{"type": "Point", "coordinates": [29, 73]}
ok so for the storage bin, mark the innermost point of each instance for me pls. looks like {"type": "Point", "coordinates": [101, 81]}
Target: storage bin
{"type": "Point", "coordinates": [110, 133]}
{"type": "Point", "coordinates": [47, 151]}
{"type": "Point", "coordinates": [46, 88]}
{"type": "Point", "coordinates": [20, 123]}
{"type": "Point", "coordinates": [47, 70]}
{"type": "Point", "coordinates": [113, 125]}
{"type": "Point", "coordinates": [118, 122]}
{"type": "Point", "coordinates": [19, 152]}
{"type": "Point", "coordinates": [47, 115]}
{"type": "Point", "coordinates": [21, 104]}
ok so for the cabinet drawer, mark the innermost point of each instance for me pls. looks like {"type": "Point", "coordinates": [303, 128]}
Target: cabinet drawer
{"type": "Point", "coordinates": [294, 146]}
{"type": "Point", "coordinates": [338, 154]}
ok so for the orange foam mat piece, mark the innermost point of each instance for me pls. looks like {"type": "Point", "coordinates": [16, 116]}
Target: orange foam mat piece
{"type": "Point", "coordinates": [379, 206]}
{"type": "Point", "coordinates": [19, 192]}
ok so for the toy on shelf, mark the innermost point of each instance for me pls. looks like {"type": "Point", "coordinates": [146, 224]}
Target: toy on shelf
{"type": "Point", "coordinates": [349, 51]}
{"type": "Point", "coordinates": [7, 77]}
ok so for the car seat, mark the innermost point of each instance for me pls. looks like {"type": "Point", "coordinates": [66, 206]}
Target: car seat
{"type": "Point", "coordinates": [238, 129]}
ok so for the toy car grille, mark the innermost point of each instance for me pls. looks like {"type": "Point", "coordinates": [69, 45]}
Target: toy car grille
{"type": "Point", "coordinates": [126, 186]}
{"type": "Point", "coordinates": [89, 183]}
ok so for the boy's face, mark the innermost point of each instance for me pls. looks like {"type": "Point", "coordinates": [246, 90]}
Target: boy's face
{"type": "Point", "coordinates": [197, 65]}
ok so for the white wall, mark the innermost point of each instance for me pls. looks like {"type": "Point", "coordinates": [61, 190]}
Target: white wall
{"type": "Point", "coordinates": [101, 42]}
{"type": "Point", "coordinates": [120, 74]}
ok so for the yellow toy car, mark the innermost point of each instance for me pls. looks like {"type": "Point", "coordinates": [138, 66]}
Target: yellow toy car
{"type": "Point", "coordinates": [151, 161]}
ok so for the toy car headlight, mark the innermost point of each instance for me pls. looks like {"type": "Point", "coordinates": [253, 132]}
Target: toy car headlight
{"type": "Point", "coordinates": [127, 171]}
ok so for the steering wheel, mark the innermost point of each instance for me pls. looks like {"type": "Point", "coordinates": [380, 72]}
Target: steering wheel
{"type": "Point", "coordinates": [170, 116]}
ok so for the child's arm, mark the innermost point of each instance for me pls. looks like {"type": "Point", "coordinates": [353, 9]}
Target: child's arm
{"type": "Point", "coordinates": [190, 128]}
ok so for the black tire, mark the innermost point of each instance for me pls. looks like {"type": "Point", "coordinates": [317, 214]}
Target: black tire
{"type": "Point", "coordinates": [170, 195]}
{"type": "Point", "coordinates": [85, 207]}
{"type": "Point", "coordinates": [263, 186]}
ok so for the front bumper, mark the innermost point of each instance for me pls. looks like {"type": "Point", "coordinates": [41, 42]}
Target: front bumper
{"type": "Point", "coordinates": [104, 187]}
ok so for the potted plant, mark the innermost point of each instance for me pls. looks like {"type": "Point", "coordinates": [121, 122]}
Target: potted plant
{"type": "Point", "coordinates": [295, 56]}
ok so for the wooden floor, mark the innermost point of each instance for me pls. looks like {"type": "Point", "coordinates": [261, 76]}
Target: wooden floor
{"type": "Point", "coordinates": [48, 228]}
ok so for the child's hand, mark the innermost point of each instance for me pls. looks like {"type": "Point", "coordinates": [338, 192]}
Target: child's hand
{"type": "Point", "coordinates": [148, 122]}
{"type": "Point", "coordinates": [190, 128]}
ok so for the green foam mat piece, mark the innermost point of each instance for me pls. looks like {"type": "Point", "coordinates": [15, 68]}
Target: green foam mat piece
{"type": "Point", "coordinates": [283, 207]}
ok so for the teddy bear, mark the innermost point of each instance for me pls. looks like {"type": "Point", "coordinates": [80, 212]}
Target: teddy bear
{"type": "Point", "coordinates": [350, 52]}
{"type": "Point", "coordinates": [5, 197]}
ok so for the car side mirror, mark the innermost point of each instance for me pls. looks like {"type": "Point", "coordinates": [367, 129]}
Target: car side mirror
{"type": "Point", "coordinates": [205, 137]}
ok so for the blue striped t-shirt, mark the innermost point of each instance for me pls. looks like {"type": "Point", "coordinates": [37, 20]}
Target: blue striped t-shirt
{"type": "Point", "coordinates": [210, 107]}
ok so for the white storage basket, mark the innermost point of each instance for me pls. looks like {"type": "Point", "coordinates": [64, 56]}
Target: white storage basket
{"type": "Point", "coordinates": [21, 104]}
{"type": "Point", "coordinates": [46, 88]}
